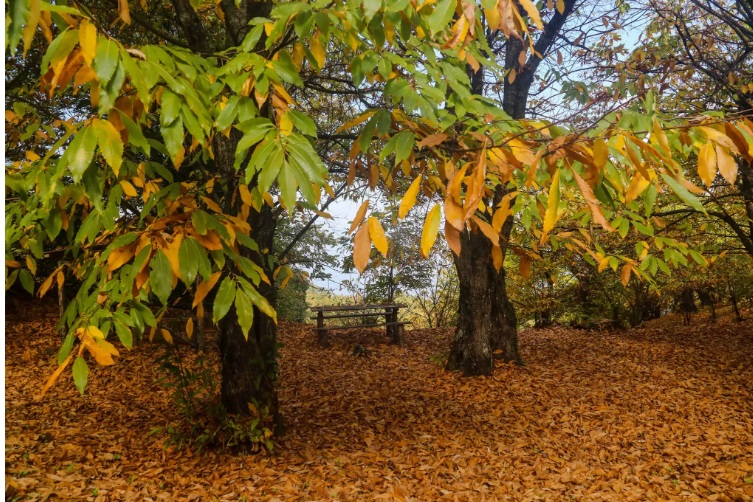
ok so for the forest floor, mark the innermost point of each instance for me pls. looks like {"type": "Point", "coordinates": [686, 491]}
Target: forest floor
{"type": "Point", "coordinates": [661, 412]}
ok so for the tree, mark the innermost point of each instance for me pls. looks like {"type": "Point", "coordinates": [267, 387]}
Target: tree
{"type": "Point", "coordinates": [189, 151]}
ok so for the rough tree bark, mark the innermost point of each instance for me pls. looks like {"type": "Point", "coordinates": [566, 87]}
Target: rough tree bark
{"type": "Point", "coordinates": [249, 365]}
{"type": "Point", "coordinates": [487, 325]}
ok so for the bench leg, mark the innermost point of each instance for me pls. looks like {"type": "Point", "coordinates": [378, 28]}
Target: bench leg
{"type": "Point", "coordinates": [323, 337]}
{"type": "Point", "coordinates": [398, 335]}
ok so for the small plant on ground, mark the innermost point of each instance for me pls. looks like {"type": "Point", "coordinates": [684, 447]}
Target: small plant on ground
{"type": "Point", "coordinates": [203, 421]}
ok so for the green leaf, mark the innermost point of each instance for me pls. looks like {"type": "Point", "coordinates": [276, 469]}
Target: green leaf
{"type": "Point", "coordinates": [109, 143]}
{"type": "Point", "coordinates": [683, 193]}
{"type": "Point", "coordinates": [66, 348]}
{"type": "Point", "coordinates": [261, 303]}
{"type": "Point", "coordinates": [403, 146]}
{"type": "Point", "coordinates": [441, 15]}
{"type": "Point", "coordinates": [227, 115]}
{"type": "Point", "coordinates": [245, 311]}
{"type": "Point", "coordinates": [170, 110]}
{"type": "Point", "coordinates": [303, 123]}
{"type": "Point", "coordinates": [188, 257]}
{"type": "Point", "coordinates": [286, 70]}
{"type": "Point", "coordinates": [135, 135]}
{"type": "Point", "coordinates": [18, 12]}
{"type": "Point", "coordinates": [161, 277]}
{"type": "Point", "coordinates": [173, 136]}
{"type": "Point", "coordinates": [269, 171]}
{"type": "Point", "coordinates": [80, 152]}
{"type": "Point", "coordinates": [54, 224]}
{"type": "Point", "coordinates": [27, 280]}
{"type": "Point", "coordinates": [59, 49]}
{"type": "Point", "coordinates": [106, 60]}
{"type": "Point", "coordinates": [124, 334]}
{"type": "Point", "coordinates": [371, 7]}
{"type": "Point", "coordinates": [224, 299]}
{"type": "Point", "coordinates": [80, 374]}
{"type": "Point", "coordinates": [288, 187]}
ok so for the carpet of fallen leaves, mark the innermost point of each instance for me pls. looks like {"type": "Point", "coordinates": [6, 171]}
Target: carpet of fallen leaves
{"type": "Point", "coordinates": [661, 412]}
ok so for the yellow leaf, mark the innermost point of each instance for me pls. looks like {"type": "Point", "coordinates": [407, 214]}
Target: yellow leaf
{"type": "Point", "coordinates": [409, 199]}
{"type": "Point", "coordinates": [707, 164]}
{"type": "Point", "coordinates": [430, 229]}
{"type": "Point", "coordinates": [453, 213]}
{"type": "Point", "coordinates": [359, 216]}
{"type": "Point", "coordinates": [189, 328]}
{"type": "Point", "coordinates": [376, 233]}
{"type": "Point", "coordinates": [498, 258]}
{"type": "Point", "coordinates": [452, 235]}
{"type": "Point", "coordinates": [533, 13]}
{"type": "Point", "coordinates": [487, 230]}
{"type": "Point", "coordinates": [603, 263]}
{"type": "Point", "coordinates": [727, 164]}
{"type": "Point", "coordinates": [203, 289]}
{"type": "Point", "coordinates": [172, 252]}
{"type": "Point", "coordinates": [719, 137]}
{"type": "Point", "coordinates": [48, 282]}
{"type": "Point", "coordinates": [361, 248]}
{"type": "Point", "coordinates": [317, 50]}
{"type": "Point", "coordinates": [501, 214]}
{"type": "Point", "coordinates": [12, 264]}
{"type": "Point", "coordinates": [55, 376]}
{"type": "Point", "coordinates": [593, 202]}
{"type": "Point", "coordinates": [625, 275]}
{"type": "Point", "coordinates": [128, 189]}
{"type": "Point", "coordinates": [120, 257]}
{"type": "Point", "coordinates": [245, 195]}
{"type": "Point", "coordinates": [432, 140]}
{"type": "Point", "coordinates": [32, 22]}
{"type": "Point", "coordinates": [167, 336]}
{"type": "Point", "coordinates": [561, 6]}
{"type": "Point", "coordinates": [212, 204]}
{"type": "Point", "coordinates": [601, 153]}
{"type": "Point", "coordinates": [354, 122]}
{"type": "Point", "coordinates": [87, 39]}
{"type": "Point", "coordinates": [124, 12]}
{"type": "Point", "coordinates": [661, 137]}
{"type": "Point", "coordinates": [286, 124]}
{"type": "Point", "coordinates": [550, 218]}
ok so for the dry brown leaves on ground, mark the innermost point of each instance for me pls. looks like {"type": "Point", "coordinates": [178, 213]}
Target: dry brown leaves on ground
{"type": "Point", "coordinates": [661, 412]}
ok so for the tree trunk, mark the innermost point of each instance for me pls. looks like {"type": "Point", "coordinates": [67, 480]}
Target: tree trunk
{"type": "Point", "coordinates": [486, 318]}
{"type": "Point", "coordinates": [249, 366]}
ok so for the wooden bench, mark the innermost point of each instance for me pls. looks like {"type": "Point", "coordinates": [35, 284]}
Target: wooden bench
{"type": "Point", "coordinates": [395, 329]}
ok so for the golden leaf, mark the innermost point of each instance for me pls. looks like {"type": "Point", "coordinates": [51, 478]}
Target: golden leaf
{"type": "Point", "coordinates": [726, 163]}
{"type": "Point", "coordinates": [707, 164]}
{"type": "Point", "coordinates": [625, 275]}
{"type": "Point", "coordinates": [533, 13]}
{"type": "Point", "coordinates": [429, 231]}
{"type": "Point", "coordinates": [409, 199]}
{"type": "Point", "coordinates": [204, 287]}
{"type": "Point", "coordinates": [317, 50]}
{"type": "Point", "coordinates": [128, 188]}
{"type": "Point", "coordinates": [167, 336]}
{"type": "Point", "coordinates": [452, 236]}
{"type": "Point", "coordinates": [550, 218]}
{"type": "Point", "coordinates": [359, 216]}
{"type": "Point", "coordinates": [87, 40]}
{"type": "Point", "coordinates": [593, 202]}
{"type": "Point", "coordinates": [361, 248]}
{"type": "Point", "coordinates": [120, 257]}
{"type": "Point", "coordinates": [376, 233]}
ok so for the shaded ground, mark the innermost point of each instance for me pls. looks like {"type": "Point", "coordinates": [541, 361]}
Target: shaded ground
{"type": "Point", "coordinates": [662, 412]}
